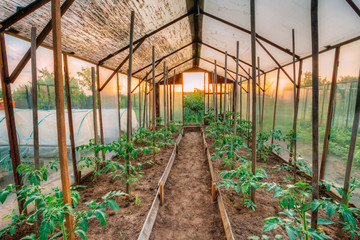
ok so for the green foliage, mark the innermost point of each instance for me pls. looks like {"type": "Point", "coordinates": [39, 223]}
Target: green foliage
{"type": "Point", "coordinates": [242, 180]}
{"type": "Point", "coordinates": [263, 142]}
{"type": "Point", "coordinates": [194, 107]}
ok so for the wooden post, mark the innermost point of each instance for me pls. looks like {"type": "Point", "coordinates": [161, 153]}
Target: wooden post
{"type": "Point", "coordinates": [208, 91]}
{"type": "Point", "coordinates": [216, 95]}
{"type": "Point", "coordinates": [241, 90]}
{"type": "Point", "coordinates": [204, 95]}
{"type": "Point", "coordinates": [275, 104]}
{"type": "Point", "coordinates": [129, 104]}
{"type": "Point", "coordinates": [315, 108]}
{"type": "Point", "coordinates": [70, 118]}
{"type": "Point", "coordinates": [213, 192]}
{"type": "Point", "coordinates": [213, 90]}
{"type": "Point", "coordinates": [171, 102]}
{"type": "Point", "coordinates": [263, 101]}
{"type": "Point", "coordinates": [140, 120]}
{"type": "Point", "coordinates": [348, 108]}
{"type": "Point", "coordinates": [154, 90]}
{"type": "Point", "coordinates": [60, 115]}
{"type": "Point", "coordinates": [260, 123]}
{"type": "Point", "coordinates": [236, 86]}
{"type": "Point", "coordinates": [93, 88]}
{"type": "Point", "coordinates": [292, 148]}
{"type": "Point", "coordinates": [182, 79]}
{"type": "Point", "coordinates": [34, 91]}
{"type": "Point", "coordinates": [161, 193]}
{"type": "Point", "coordinates": [224, 117]}
{"type": "Point", "coordinates": [253, 58]}
{"type": "Point", "coordinates": [248, 99]}
{"type": "Point", "coordinates": [99, 105]}
{"type": "Point", "coordinates": [174, 96]}
{"type": "Point", "coordinates": [118, 101]}
{"type": "Point", "coordinates": [165, 96]}
{"type": "Point", "coordinates": [10, 118]}
{"type": "Point", "coordinates": [353, 139]}
{"type": "Point", "coordinates": [145, 104]}
{"type": "Point", "coordinates": [329, 114]}
{"type": "Point", "coordinates": [221, 100]}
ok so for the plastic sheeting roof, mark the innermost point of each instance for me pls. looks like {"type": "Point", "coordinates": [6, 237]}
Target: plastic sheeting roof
{"type": "Point", "coordinates": [94, 29]}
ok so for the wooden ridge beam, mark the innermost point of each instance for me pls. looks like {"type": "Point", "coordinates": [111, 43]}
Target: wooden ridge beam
{"type": "Point", "coordinates": [20, 14]}
{"type": "Point", "coordinates": [101, 62]}
{"type": "Point", "coordinates": [249, 32]}
{"type": "Point", "coordinates": [41, 37]}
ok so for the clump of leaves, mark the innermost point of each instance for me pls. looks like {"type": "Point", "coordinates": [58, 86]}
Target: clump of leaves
{"type": "Point", "coordinates": [242, 180]}
{"type": "Point", "coordinates": [263, 142]}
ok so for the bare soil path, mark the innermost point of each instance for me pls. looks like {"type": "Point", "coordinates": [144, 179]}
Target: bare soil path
{"type": "Point", "coordinates": [188, 212]}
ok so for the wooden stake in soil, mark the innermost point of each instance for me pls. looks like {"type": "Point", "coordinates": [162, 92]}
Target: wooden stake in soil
{"type": "Point", "coordinates": [353, 139]}
{"type": "Point", "coordinates": [154, 90]}
{"type": "Point", "coordinates": [100, 109]}
{"type": "Point", "coordinates": [216, 95]}
{"type": "Point", "coordinates": [165, 97]}
{"type": "Point", "coordinates": [293, 148]}
{"type": "Point", "coordinates": [34, 91]}
{"type": "Point", "coordinates": [213, 192]}
{"type": "Point", "coordinates": [93, 89]}
{"type": "Point", "coordinates": [182, 90]}
{"type": "Point", "coordinates": [60, 118]}
{"type": "Point", "coordinates": [236, 86]}
{"type": "Point", "coordinates": [253, 58]}
{"type": "Point", "coordinates": [315, 108]}
{"type": "Point", "coordinates": [118, 102]}
{"type": "Point", "coordinates": [224, 117]}
{"type": "Point", "coordinates": [70, 118]}
{"type": "Point", "coordinates": [161, 193]}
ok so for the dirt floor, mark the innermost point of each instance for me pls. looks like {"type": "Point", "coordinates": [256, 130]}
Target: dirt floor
{"type": "Point", "coordinates": [126, 223]}
{"type": "Point", "coordinates": [244, 221]}
{"type": "Point", "coordinates": [188, 212]}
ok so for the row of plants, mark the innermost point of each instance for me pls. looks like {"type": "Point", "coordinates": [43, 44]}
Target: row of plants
{"type": "Point", "coordinates": [48, 217]}
{"type": "Point", "coordinates": [294, 197]}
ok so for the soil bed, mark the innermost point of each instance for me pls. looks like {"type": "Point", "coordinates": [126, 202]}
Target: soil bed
{"type": "Point", "coordinates": [244, 221]}
{"type": "Point", "coordinates": [188, 212]}
{"type": "Point", "coordinates": [126, 223]}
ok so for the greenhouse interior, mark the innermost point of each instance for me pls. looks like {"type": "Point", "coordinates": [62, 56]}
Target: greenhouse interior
{"type": "Point", "coordinates": [180, 119]}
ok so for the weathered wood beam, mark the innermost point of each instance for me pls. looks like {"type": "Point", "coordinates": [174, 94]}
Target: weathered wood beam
{"type": "Point", "coordinates": [70, 118]}
{"type": "Point", "coordinates": [249, 32]}
{"type": "Point", "coordinates": [354, 6]}
{"type": "Point", "coordinates": [10, 118]}
{"type": "Point", "coordinates": [315, 108]}
{"type": "Point", "coordinates": [60, 111]}
{"type": "Point", "coordinates": [146, 36]}
{"type": "Point", "coordinates": [274, 59]}
{"type": "Point", "coordinates": [41, 37]}
{"type": "Point", "coordinates": [120, 65]}
{"type": "Point", "coordinates": [20, 14]}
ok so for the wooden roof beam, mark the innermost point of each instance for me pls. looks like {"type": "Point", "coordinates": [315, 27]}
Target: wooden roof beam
{"type": "Point", "coordinates": [20, 14]}
{"type": "Point", "coordinates": [354, 6]}
{"type": "Point", "coordinates": [249, 32]}
{"type": "Point", "coordinates": [101, 62]}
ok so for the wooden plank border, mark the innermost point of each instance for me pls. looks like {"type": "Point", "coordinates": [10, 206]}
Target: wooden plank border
{"type": "Point", "coordinates": [151, 217]}
{"type": "Point", "coordinates": [224, 217]}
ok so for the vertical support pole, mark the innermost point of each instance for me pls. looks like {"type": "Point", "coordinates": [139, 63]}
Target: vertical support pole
{"type": "Point", "coordinates": [253, 60]}
{"type": "Point", "coordinates": [315, 108]}
{"type": "Point", "coordinates": [248, 99]}
{"type": "Point", "coordinates": [221, 99]}
{"type": "Point", "coordinates": [260, 123]}
{"type": "Point", "coordinates": [182, 79]}
{"type": "Point", "coordinates": [154, 90]}
{"type": "Point", "coordinates": [145, 117]}
{"type": "Point", "coordinates": [241, 90]}
{"type": "Point", "coordinates": [70, 118]}
{"type": "Point", "coordinates": [225, 87]}
{"type": "Point", "coordinates": [34, 91]}
{"type": "Point", "coordinates": [171, 102]}
{"type": "Point", "coordinates": [275, 104]}
{"type": "Point", "coordinates": [10, 118]}
{"type": "Point", "coordinates": [174, 97]}
{"type": "Point", "coordinates": [140, 103]}
{"type": "Point", "coordinates": [236, 86]}
{"type": "Point", "coordinates": [216, 95]}
{"type": "Point", "coordinates": [129, 103]}
{"type": "Point", "coordinates": [292, 148]}
{"type": "Point", "coordinates": [353, 139]}
{"type": "Point", "coordinates": [93, 89]}
{"type": "Point", "coordinates": [99, 105]}
{"type": "Point", "coordinates": [329, 114]}
{"type": "Point", "coordinates": [118, 101]}
{"type": "Point", "coordinates": [349, 103]}
{"type": "Point", "coordinates": [208, 94]}
{"type": "Point", "coordinates": [60, 115]}
{"type": "Point", "coordinates": [263, 102]}
{"type": "Point", "coordinates": [204, 95]}
{"type": "Point", "coordinates": [165, 96]}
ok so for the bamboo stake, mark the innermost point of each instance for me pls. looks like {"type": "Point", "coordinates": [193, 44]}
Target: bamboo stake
{"type": "Point", "coordinates": [216, 94]}
{"type": "Point", "coordinates": [93, 88]}
{"type": "Point", "coordinates": [275, 104]}
{"type": "Point", "coordinates": [315, 108]}
{"type": "Point", "coordinates": [118, 102]}
{"type": "Point", "coordinates": [100, 109]}
{"type": "Point", "coordinates": [236, 86]}
{"type": "Point", "coordinates": [60, 115]}
{"type": "Point", "coordinates": [154, 90]}
{"type": "Point", "coordinates": [165, 105]}
{"type": "Point", "coordinates": [225, 87]}
{"type": "Point", "coordinates": [174, 96]}
{"type": "Point", "coordinates": [182, 79]}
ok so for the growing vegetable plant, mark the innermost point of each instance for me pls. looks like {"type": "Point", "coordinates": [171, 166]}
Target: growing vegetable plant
{"type": "Point", "coordinates": [264, 145]}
